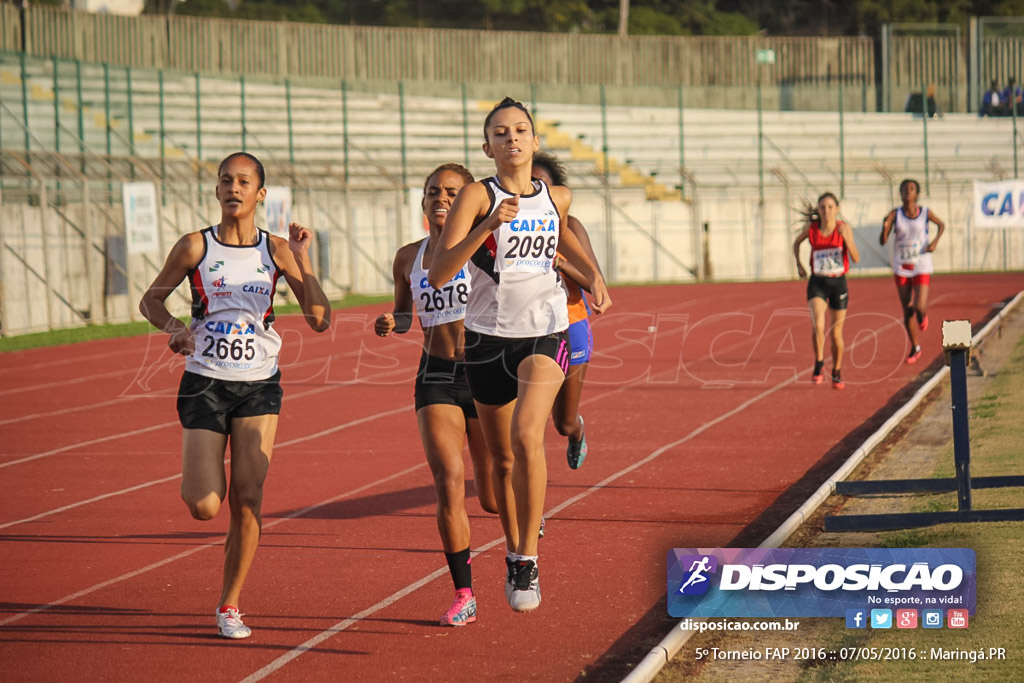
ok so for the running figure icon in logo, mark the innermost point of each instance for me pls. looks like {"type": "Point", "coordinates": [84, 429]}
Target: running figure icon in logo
{"type": "Point", "coordinates": [696, 582]}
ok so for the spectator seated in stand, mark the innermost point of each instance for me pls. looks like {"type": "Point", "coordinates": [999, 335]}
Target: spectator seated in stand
{"type": "Point", "coordinates": [915, 103]}
{"type": "Point", "coordinates": [992, 101]}
{"type": "Point", "coordinates": [1010, 98]}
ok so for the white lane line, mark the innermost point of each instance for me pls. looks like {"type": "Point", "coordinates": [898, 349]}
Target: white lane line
{"type": "Point", "coordinates": [143, 430]}
{"type": "Point", "coordinates": [91, 442]}
{"type": "Point", "coordinates": [192, 551]}
{"type": "Point", "coordinates": [103, 404]}
{"type": "Point", "coordinates": [130, 489]}
{"type": "Point", "coordinates": [76, 360]}
{"type": "Point", "coordinates": [95, 499]}
{"type": "Point", "coordinates": [64, 382]}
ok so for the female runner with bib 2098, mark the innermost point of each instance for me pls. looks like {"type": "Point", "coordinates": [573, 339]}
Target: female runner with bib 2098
{"type": "Point", "coordinates": [231, 388]}
{"type": "Point", "coordinates": [832, 247]}
{"type": "Point", "coordinates": [445, 411]}
{"type": "Point", "coordinates": [912, 259]}
{"type": "Point", "coordinates": [509, 227]}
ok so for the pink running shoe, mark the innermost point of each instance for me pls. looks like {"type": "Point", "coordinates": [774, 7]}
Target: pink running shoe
{"type": "Point", "coordinates": [924, 323]}
{"type": "Point", "coordinates": [915, 353]}
{"type": "Point", "coordinates": [463, 609]}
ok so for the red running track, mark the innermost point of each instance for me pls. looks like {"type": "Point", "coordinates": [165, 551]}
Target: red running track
{"type": "Point", "coordinates": [706, 432]}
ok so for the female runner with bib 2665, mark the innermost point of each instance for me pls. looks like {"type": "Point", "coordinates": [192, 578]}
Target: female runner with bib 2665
{"type": "Point", "coordinates": [509, 227]}
{"type": "Point", "coordinates": [445, 411]}
{"type": "Point", "coordinates": [832, 247]}
{"type": "Point", "coordinates": [912, 259]}
{"type": "Point", "coordinates": [231, 388]}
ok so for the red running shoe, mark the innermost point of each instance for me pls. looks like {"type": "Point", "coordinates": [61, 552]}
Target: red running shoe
{"type": "Point", "coordinates": [924, 323]}
{"type": "Point", "coordinates": [915, 353]}
{"type": "Point", "coordinates": [837, 380]}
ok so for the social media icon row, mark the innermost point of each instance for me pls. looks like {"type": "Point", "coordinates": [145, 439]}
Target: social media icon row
{"type": "Point", "coordinates": [905, 618]}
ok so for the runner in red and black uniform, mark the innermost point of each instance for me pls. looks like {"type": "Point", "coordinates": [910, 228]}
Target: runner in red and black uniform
{"type": "Point", "coordinates": [832, 247]}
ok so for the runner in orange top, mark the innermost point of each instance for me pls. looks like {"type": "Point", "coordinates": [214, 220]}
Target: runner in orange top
{"type": "Point", "coordinates": [565, 412]}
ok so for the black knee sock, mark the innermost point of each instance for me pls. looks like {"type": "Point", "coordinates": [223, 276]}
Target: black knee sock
{"type": "Point", "coordinates": [460, 568]}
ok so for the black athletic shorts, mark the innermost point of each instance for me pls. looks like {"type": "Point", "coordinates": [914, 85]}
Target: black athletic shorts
{"type": "Point", "coordinates": [493, 362]}
{"type": "Point", "coordinates": [831, 289]}
{"type": "Point", "coordinates": [443, 382]}
{"type": "Point", "coordinates": [208, 403]}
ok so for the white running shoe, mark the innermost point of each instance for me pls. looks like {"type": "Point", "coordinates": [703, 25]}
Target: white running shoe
{"type": "Point", "coordinates": [526, 591]}
{"type": "Point", "coordinates": [510, 578]}
{"type": "Point", "coordinates": [229, 625]}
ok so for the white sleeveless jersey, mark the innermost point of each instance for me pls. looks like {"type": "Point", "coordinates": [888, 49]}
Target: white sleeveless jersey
{"type": "Point", "coordinates": [233, 311]}
{"type": "Point", "coordinates": [438, 306]}
{"type": "Point", "coordinates": [909, 257]}
{"type": "Point", "coordinates": [516, 291]}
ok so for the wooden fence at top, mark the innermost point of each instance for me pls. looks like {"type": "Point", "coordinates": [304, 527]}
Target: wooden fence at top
{"type": "Point", "coordinates": [399, 54]}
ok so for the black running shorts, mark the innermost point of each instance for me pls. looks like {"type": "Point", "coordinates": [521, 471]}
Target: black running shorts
{"type": "Point", "coordinates": [443, 382]}
{"type": "Point", "coordinates": [208, 403]}
{"type": "Point", "coordinates": [493, 362]}
{"type": "Point", "coordinates": [831, 289]}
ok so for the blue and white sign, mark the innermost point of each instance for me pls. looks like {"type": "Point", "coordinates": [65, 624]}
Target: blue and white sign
{"type": "Point", "coordinates": [140, 217]}
{"type": "Point", "coordinates": [999, 204]}
{"type": "Point", "coordinates": [278, 203]}
{"type": "Point", "coordinates": [818, 582]}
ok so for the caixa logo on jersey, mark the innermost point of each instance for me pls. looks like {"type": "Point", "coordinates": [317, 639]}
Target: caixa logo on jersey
{"type": "Point", "coordinates": [816, 582]}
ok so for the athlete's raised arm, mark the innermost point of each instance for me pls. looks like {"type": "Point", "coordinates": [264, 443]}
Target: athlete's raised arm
{"type": "Point", "coordinates": [851, 246]}
{"type": "Point", "coordinates": [399, 320]}
{"type": "Point", "coordinates": [464, 231]}
{"type": "Point", "coordinates": [804, 234]}
{"type": "Point", "coordinates": [574, 252]}
{"type": "Point", "coordinates": [292, 257]}
{"type": "Point", "coordinates": [887, 227]}
{"type": "Point", "coordinates": [940, 225]}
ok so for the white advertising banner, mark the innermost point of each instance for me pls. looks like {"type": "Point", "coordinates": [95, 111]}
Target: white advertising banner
{"type": "Point", "coordinates": [140, 219]}
{"type": "Point", "coordinates": [278, 203]}
{"type": "Point", "coordinates": [999, 204]}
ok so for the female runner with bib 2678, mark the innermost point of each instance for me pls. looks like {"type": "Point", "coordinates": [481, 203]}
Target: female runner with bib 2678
{"type": "Point", "coordinates": [509, 227]}
{"type": "Point", "coordinates": [445, 411]}
{"type": "Point", "coordinates": [231, 388]}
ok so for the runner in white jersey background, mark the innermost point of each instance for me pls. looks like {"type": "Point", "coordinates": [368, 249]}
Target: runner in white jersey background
{"type": "Point", "coordinates": [508, 227]}
{"type": "Point", "coordinates": [445, 411]}
{"type": "Point", "coordinates": [231, 386]}
{"type": "Point", "coordinates": [912, 259]}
